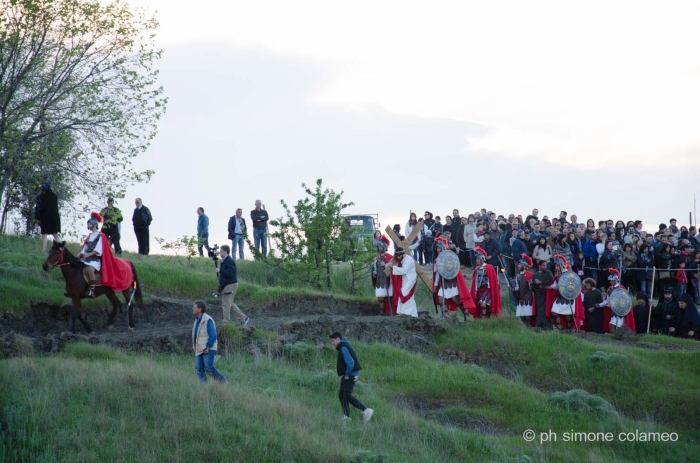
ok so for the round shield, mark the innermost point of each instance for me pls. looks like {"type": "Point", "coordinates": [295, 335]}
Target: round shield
{"type": "Point", "coordinates": [569, 285]}
{"type": "Point", "coordinates": [447, 264]}
{"type": "Point", "coordinates": [620, 302]}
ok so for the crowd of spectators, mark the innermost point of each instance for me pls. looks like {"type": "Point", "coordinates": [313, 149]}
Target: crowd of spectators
{"type": "Point", "coordinates": [591, 247]}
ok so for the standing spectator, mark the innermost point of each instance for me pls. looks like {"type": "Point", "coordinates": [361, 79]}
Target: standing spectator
{"type": "Point", "coordinates": [237, 231]}
{"type": "Point", "coordinates": [542, 251]}
{"type": "Point", "coordinates": [456, 222]}
{"type": "Point", "coordinates": [493, 250]}
{"type": "Point", "coordinates": [461, 243]}
{"type": "Point", "coordinates": [692, 271]}
{"type": "Point", "coordinates": [348, 367]}
{"type": "Point", "coordinates": [579, 265]}
{"type": "Point", "coordinates": [428, 242]}
{"type": "Point", "coordinates": [608, 260]}
{"type": "Point", "coordinates": [202, 231]}
{"type": "Point", "coordinates": [142, 220]}
{"type": "Point", "coordinates": [681, 278]}
{"type": "Point", "coordinates": [47, 216]}
{"type": "Point", "coordinates": [437, 226]}
{"type": "Point", "coordinates": [410, 225]}
{"type": "Point", "coordinates": [645, 264]}
{"type": "Point", "coordinates": [204, 343]}
{"type": "Point", "coordinates": [428, 221]}
{"type": "Point", "coordinates": [469, 231]}
{"type": "Point", "coordinates": [629, 261]}
{"type": "Point", "coordinates": [519, 247]}
{"type": "Point", "coordinates": [448, 224]}
{"type": "Point", "coordinates": [111, 227]}
{"type": "Point", "coordinates": [693, 238]}
{"type": "Point", "coordinates": [663, 266]}
{"type": "Point", "coordinates": [563, 249]}
{"type": "Point", "coordinates": [259, 218]}
{"type": "Point", "coordinates": [228, 285]}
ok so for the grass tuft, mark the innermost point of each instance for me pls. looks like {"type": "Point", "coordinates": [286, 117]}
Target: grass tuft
{"type": "Point", "coordinates": [95, 352]}
{"type": "Point", "coordinates": [582, 401]}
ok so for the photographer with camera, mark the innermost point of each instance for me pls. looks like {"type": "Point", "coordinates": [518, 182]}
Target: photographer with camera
{"type": "Point", "coordinates": [228, 285]}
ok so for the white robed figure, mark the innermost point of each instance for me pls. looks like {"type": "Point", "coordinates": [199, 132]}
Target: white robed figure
{"type": "Point", "coordinates": [405, 270]}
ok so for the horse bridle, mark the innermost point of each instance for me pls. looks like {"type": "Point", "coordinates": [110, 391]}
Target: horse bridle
{"type": "Point", "coordinates": [59, 261]}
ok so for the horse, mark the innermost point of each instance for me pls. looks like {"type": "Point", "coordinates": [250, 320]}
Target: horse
{"type": "Point", "coordinates": [77, 287]}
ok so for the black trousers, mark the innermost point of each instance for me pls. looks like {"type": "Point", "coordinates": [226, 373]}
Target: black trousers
{"type": "Point", "coordinates": [142, 237]}
{"type": "Point", "coordinates": [346, 397]}
{"type": "Point", "coordinates": [114, 241]}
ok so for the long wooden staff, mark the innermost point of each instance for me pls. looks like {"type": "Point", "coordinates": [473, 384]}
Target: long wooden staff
{"type": "Point", "coordinates": [651, 299]}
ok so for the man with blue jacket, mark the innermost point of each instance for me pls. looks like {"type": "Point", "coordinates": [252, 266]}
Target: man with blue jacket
{"type": "Point", "coordinates": [202, 231]}
{"type": "Point", "coordinates": [348, 367]}
{"type": "Point", "coordinates": [204, 343]}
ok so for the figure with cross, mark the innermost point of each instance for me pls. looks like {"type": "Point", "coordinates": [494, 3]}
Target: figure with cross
{"type": "Point", "coordinates": [405, 273]}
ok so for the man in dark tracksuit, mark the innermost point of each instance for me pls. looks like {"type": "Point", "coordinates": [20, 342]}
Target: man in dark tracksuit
{"type": "Point", "coordinates": [349, 369]}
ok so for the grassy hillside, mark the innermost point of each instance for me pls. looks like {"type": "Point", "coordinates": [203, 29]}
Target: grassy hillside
{"type": "Point", "coordinates": [22, 280]}
{"type": "Point", "coordinates": [92, 404]}
{"type": "Point", "coordinates": [469, 397]}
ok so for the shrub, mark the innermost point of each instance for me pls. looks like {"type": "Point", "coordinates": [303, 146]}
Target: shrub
{"type": "Point", "coordinates": [606, 358]}
{"type": "Point", "coordinates": [364, 456]}
{"type": "Point", "coordinates": [86, 351]}
{"type": "Point", "coordinates": [580, 400]}
{"type": "Point", "coordinates": [301, 351]}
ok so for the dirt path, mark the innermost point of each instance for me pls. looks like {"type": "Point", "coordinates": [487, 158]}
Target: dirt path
{"type": "Point", "coordinates": [166, 324]}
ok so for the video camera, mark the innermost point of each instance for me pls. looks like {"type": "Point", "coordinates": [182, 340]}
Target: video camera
{"type": "Point", "coordinates": [214, 252]}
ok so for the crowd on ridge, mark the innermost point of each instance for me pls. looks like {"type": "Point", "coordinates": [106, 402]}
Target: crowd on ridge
{"type": "Point", "coordinates": [604, 254]}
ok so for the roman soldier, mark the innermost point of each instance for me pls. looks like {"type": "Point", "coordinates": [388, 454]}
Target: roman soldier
{"type": "Point", "coordinates": [523, 291]}
{"type": "Point", "coordinates": [383, 289]}
{"type": "Point", "coordinates": [96, 256]}
{"type": "Point", "coordinates": [485, 291]}
{"type": "Point", "coordinates": [540, 281]}
{"type": "Point", "coordinates": [613, 321]}
{"type": "Point", "coordinates": [454, 291]}
{"type": "Point", "coordinates": [565, 311]}
{"type": "Point", "coordinates": [404, 279]}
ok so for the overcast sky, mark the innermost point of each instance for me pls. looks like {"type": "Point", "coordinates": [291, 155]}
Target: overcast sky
{"type": "Point", "coordinates": [592, 107]}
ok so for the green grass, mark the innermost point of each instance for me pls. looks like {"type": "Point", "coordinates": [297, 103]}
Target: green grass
{"type": "Point", "coordinates": [662, 385]}
{"type": "Point", "coordinates": [23, 282]}
{"type": "Point", "coordinates": [117, 408]}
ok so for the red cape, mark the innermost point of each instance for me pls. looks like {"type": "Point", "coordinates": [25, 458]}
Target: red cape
{"type": "Point", "coordinates": [579, 313]}
{"type": "Point", "coordinates": [465, 297]}
{"type": "Point", "coordinates": [115, 273]}
{"type": "Point", "coordinates": [607, 316]}
{"type": "Point", "coordinates": [495, 292]}
{"type": "Point", "coordinates": [390, 309]}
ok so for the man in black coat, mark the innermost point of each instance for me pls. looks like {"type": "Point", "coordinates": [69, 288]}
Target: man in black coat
{"type": "Point", "coordinates": [228, 285]}
{"type": "Point", "coordinates": [492, 248]}
{"type": "Point", "coordinates": [348, 368]}
{"type": "Point", "coordinates": [47, 216]}
{"type": "Point", "coordinates": [142, 220]}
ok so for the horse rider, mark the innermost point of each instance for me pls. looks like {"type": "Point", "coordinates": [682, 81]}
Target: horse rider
{"type": "Point", "coordinates": [91, 254]}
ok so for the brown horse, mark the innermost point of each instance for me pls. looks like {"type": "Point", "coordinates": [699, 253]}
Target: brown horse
{"type": "Point", "coordinates": [77, 287]}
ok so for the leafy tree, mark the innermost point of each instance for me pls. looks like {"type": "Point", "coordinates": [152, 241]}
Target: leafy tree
{"type": "Point", "coordinates": [186, 245]}
{"type": "Point", "coordinates": [80, 73]}
{"type": "Point", "coordinates": [313, 237]}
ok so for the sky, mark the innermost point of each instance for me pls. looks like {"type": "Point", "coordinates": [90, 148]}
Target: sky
{"type": "Point", "coordinates": [589, 107]}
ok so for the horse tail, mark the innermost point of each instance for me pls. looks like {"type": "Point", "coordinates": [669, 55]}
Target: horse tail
{"type": "Point", "coordinates": [139, 294]}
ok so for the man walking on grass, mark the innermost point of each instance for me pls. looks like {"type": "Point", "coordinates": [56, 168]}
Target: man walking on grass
{"type": "Point", "coordinates": [204, 343]}
{"type": "Point", "coordinates": [348, 368]}
{"type": "Point", "coordinates": [228, 284]}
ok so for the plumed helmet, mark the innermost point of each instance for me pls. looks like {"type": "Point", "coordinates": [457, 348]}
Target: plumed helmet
{"type": "Point", "coordinates": [95, 218]}
{"type": "Point", "coordinates": [614, 274]}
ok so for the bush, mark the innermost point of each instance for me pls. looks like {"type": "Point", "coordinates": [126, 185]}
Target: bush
{"type": "Point", "coordinates": [230, 336]}
{"type": "Point", "coordinates": [606, 358]}
{"type": "Point", "coordinates": [16, 345]}
{"type": "Point", "coordinates": [580, 400]}
{"type": "Point", "coordinates": [301, 351]}
{"type": "Point", "coordinates": [86, 351]}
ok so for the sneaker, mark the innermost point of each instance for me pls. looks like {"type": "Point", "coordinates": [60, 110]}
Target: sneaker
{"type": "Point", "coordinates": [345, 418]}
{"type": "Point", "coordinates": [367, 414]}
{"type": "Point", "coordinates": [245, 322]}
